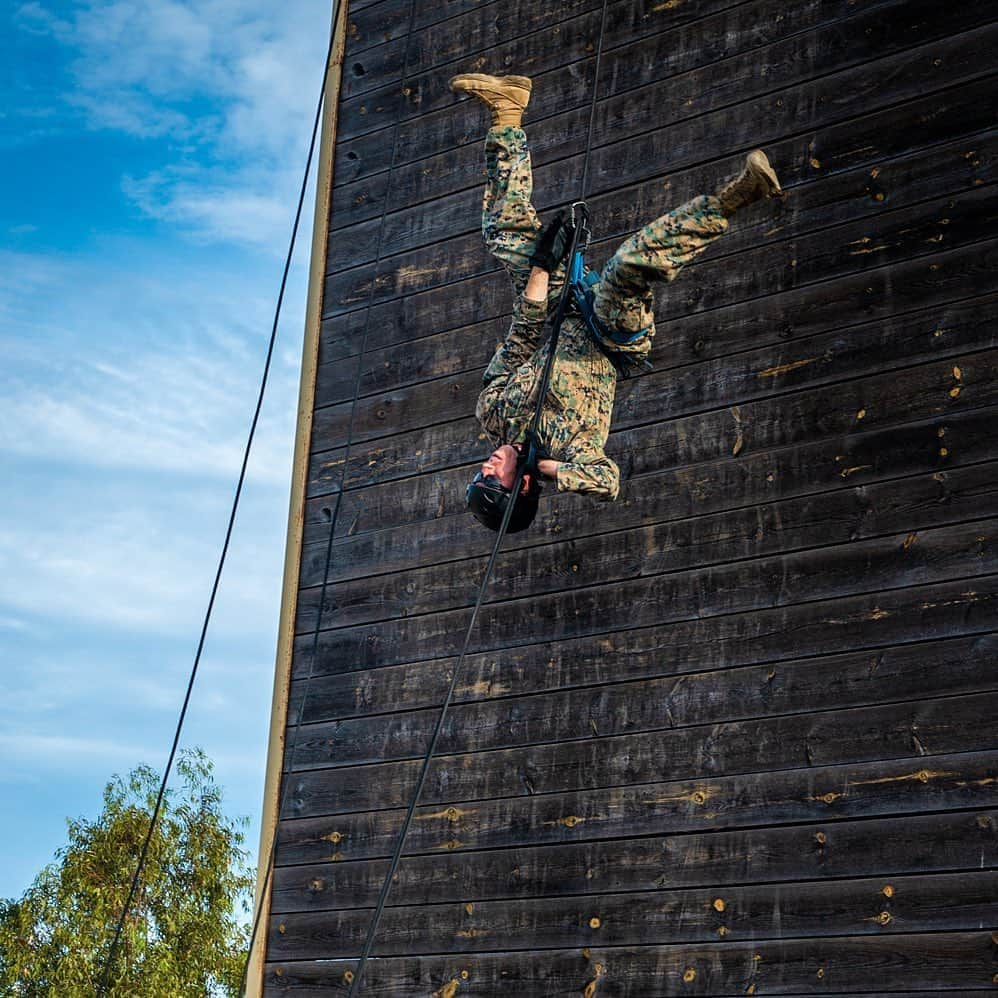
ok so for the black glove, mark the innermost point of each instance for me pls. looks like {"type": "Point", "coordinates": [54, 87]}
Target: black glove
{"type": "Point", "coordinates": [553, 244]}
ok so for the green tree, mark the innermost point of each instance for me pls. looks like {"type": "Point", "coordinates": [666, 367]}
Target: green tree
{"type": "Point", "coordinates": [184, 936]}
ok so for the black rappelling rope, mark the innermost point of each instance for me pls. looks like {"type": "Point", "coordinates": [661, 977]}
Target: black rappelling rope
{"type": "Point", "coordinates": [289, 754]}
{"type": "Point", "coordinates": [109, 961]}
{"type": "Point", "coordinates": [355, 984]}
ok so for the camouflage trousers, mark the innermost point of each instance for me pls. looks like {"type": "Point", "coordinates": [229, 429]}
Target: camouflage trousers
{"type": "Point", "coordinates": [624, 299]}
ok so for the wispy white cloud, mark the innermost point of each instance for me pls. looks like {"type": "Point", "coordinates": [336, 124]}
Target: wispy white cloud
{"type": "Point", "coordinates": [230, 84]}
{"type": "Point", "coordinates": [167, 385]}
{"type": "Point", "coordinates": [127, 386]}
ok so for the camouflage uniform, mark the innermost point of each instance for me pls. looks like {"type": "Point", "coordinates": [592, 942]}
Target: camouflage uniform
{"type": "Point", "coordinates": [575, 420]}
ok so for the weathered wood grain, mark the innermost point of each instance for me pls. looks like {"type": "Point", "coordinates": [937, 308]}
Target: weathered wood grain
{"type": "Point", "coordinates": [760, 51]}
{"type": "Point", "coordinates": [435, 198]}
{"type": "Point", "coordinates": [920, 843]}
{"type": "Point", "coordinates": [734, 30]}
{"type": "Point", "coordinates": [430, 500]}
{"type": "Point", "coordinates": [943, 902]}
{"type": "Point", "coordinates": [964, 164]}
{"type": "Point", "coordinates": [906, 786]}
{"type": "Point", "coordinates": [944, 960]}
{"type": "Point", "coordinates": [865, 295]}
{"type": "Point", "coordinates": [606, 557]}
{"type": "Point", "coordinates": [734, 733]}
{"type": "Point", "coordinates": [479, 27]}
{"type": "Point", "coordinates": [868, 624]}
{"type": "Point", "coordinates": [963, 327]}
{"type": "Point", "coordinates": [531, 40]}
{"type": "Point", "coordinates": [773, 269]}
{"type": "Point", "coordinates": [580, 763]}
{"type": "Point", "coordinates": [962, 551]}
{"type": "Point", "coordinates": [915, 394]}
{"type": "Point", "coordinates": [443, 531]}
{"type": "Point", "coordinates": [690, 142]}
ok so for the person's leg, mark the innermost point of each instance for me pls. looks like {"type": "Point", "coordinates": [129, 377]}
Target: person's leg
{"type": "Point", "coordinates": [509, 222]}
{"type": "Point", "coordinates": [624, 299]}
{"type": "Point", "coordinates": [510, 225]}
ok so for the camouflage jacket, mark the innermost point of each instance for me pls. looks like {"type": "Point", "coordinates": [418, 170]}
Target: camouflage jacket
{"type": "Point", "coordinates": [575, 421]}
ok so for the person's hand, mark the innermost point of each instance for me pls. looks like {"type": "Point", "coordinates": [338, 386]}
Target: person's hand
{"type": "Point", "coordinates": [553, 243]}
{"type": "Point", "coordinates": [547, 467]}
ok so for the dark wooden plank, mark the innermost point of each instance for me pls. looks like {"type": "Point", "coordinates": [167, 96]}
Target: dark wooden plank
{"type": "Point", "coordinates": [946, 902]}
{"type": "Point", "coordinates": [549, 47]}
{"type": "Point", "coordinates": [798, 311]}
{"type": "Point", "coordinates": [945, 960]}
{"type": "Point", "coordinates": [442, 532]}
{"type": "Point", "coordinates": [921, 843]}
{"type": "Point", "coordinates": [365, 70]}
{"type": "Point", "coordinates": [915, 394]}
{"type": "Point", "coordinates": [885, 787]}
{"type": "Point", "coordinates": [938, 555]}
{"type": "Point", "coordinates": [909, 505]}
{"type": "Point", "coordinates": [460, 38]}
{"type": "Point", "coordinates": [427, 500]}
{"type": "Point", "coordinates": [964, 164]}
{"type": "Point", "coordinates": [867, 243]}
{"type": "Point", "coordinates": [776, 690]}
{"type": "Point", "coordinates": [756, 52]}
{"type": "Point", "coordinates": [434, 198]}
{"type": "Point", "coordinates": [627, 22]}
{"type": "Point", "coordinates": [375, 24]}
{"type": "Point", "coordinates": [722, 30]}
{"type": "Point", "coordinates": [909, 616]}
{"type": "Point", "coordinates": [697, 140]}
{"type": "Point", "coordinates": [846, 291]}
{"type": "Point", "coordinates": [769, 642]}
{"type": "Point", "coordinates": [580, 763]}
{"type": "Point", "coordinates": [909, 338]}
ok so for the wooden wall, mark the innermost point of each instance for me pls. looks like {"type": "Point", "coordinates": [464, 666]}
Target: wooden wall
{"type": "Point", "coordinates": [736, 733]}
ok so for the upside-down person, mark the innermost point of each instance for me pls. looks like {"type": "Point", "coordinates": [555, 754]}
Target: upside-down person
{"type": "Point", "coordinates": [575, 419]}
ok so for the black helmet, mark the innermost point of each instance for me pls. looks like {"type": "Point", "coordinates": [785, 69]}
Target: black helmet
{"type": "Point", "coordinates": [487, 498]}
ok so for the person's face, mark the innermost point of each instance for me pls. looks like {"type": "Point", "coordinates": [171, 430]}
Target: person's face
{"type": "Point", "coordinates": [501, 463]}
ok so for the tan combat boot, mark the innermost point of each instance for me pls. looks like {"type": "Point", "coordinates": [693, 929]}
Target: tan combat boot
{"type": "Point", "coordinates": [757, 181]}
{"type": "Point", "coordinates": [505, 96]}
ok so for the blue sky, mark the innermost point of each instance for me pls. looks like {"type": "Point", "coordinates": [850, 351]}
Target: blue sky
{"type": "Point", "coordinates": [150, 151]}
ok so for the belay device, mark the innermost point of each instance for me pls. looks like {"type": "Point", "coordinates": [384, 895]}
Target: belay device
{"type": "Point", "coordinates": [582, 283]}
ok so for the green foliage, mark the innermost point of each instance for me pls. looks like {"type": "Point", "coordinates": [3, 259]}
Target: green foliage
{"type": "Point", "coordinates": [183, 936]}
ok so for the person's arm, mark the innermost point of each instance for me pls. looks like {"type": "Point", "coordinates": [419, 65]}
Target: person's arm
{"type": "Point", "coordinates": [521, 341]}
{"type": "Point", "coordinates": [537, 285]}
{"type": "Point", "coordinates": [599, 479]}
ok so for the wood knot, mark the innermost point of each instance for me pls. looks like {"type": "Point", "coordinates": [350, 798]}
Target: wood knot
{"type": "Point", "coordinates": [719, 904]}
